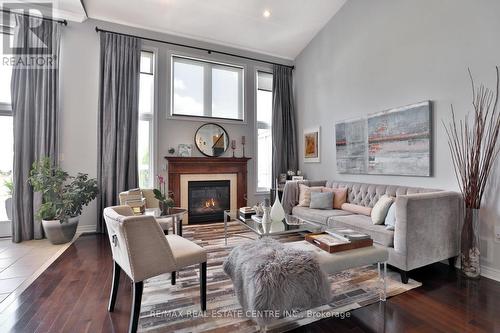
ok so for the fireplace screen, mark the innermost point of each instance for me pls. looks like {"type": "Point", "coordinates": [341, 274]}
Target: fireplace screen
{"type": "Point", "coordinates": [207, 200]}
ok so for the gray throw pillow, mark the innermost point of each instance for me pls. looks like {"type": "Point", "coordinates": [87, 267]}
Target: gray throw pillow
{"type": "Point", "coordinates": [321, 200]}
{"type": "Point", "coordinates": [390, 219]}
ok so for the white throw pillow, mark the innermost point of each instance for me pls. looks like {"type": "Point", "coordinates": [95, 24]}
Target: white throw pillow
{"type": "Point", "coordinates": [379, 211]}
{"type": "Point", "coordinates": [305, 194]}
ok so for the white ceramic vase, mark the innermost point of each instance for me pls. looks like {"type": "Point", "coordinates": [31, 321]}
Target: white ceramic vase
{"type": "Point", "coordinates": [277, 211]}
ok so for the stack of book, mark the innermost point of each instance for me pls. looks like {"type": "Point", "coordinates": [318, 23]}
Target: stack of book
{"type": "Point", "coordinates": [246, 213]}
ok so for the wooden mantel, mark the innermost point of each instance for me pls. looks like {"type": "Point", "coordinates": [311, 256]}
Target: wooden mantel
{"type": "Point", "coordinates": [178, 166]}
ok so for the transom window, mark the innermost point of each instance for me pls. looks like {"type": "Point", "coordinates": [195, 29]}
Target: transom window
{"type": "Point", "coordinates": [206, 89]}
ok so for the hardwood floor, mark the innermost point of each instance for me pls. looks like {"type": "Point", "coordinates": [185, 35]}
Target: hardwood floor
{"type": "Point", "coordinates": [72, 296]}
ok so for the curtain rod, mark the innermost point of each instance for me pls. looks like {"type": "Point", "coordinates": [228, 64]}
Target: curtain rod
{"type": "Point", "coordinates": [63, 22]}
{"type": "Point", "coordinates": [193, 47]}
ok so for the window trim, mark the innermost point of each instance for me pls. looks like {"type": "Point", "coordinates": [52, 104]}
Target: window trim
{"type": "Point", "coordinates": [258, 190]}
{"type": "Point", "coordinates": [153, 118]}
{"type": "Point", "coordinates": [212, 60]}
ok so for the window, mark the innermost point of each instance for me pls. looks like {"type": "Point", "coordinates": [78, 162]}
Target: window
{"type": "Point", "coordinates": [146, 120]}
{"type": "Point", "coordinates": [6, 146]}
{"type": "Point", "coordinates": [264, 134]}
{"type": "Point", "coordinates": [206, 89]}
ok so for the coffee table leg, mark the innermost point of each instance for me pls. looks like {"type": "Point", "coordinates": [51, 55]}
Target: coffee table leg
{"type": "Point", "coordinates": [225, 228]}
{"type": "Point", "coordinates": [179, 226]}
{"type": "Point", "coordinates": [382, 276]}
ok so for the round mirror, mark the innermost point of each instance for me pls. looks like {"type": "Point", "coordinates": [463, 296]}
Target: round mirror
{"type": "Point", "coordinates": [211, 140]}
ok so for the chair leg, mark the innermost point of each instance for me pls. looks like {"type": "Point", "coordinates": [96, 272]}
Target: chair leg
{"type": "Point", "coordinates": [203, 286]}
{"type": "Point", "coordinates": [136, 306]}
{"type": "Point", "coordinates": [172, 278]}
{"type": "Point", "coordinates": [165, 231]}
{"type": "Point", "coordinates": [404, 276]}
{"type": "Point", "coordinates": [114, 286]}
{"type": "Point", "coordinates": [452, 262]}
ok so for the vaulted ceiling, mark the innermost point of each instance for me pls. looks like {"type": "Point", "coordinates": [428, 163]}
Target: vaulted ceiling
{"type": "Point", "coordinates": [286, 28]}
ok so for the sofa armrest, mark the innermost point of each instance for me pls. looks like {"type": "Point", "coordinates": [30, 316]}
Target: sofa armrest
{"type": "Point", "coordinates": [290, 197]}
{"type": "Point", "coordinates": [427, 227]}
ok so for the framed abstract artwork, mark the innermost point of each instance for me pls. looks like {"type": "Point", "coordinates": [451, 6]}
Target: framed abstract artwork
{"type": "Point", "coordinates": [392, 142]}
{"type": "Point", "coordinates": [312, 145]}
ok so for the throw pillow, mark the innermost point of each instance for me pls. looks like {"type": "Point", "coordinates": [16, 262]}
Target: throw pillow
{"type": "Point", "coordinates": [390, 219]}
{"type": "Point", "coordinates": [379, 211]}
{"type": "Point", "coordinates": [321, 200]}
{"type": "Point", "coordinates": [339, 196]}
{"type": "Point", "coordinates": [305, 194]}
{"type": "Point", "coordinates": [356, 209]}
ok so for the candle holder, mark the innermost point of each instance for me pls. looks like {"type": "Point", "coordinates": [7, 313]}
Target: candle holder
{"type": "Point", "coordinates": [243, 144]}
{"type": "Point", "coordinates": [233, 146]}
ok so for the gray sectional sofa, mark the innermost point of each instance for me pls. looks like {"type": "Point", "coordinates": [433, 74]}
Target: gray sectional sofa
{"type": "Point", "coordinates": [427, 220]}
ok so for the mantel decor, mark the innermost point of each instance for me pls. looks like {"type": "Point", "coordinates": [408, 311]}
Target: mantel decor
{"type": "Point", "coordinates": [178, 166]}
{"type": "Point", "coordinates": [474, 149]}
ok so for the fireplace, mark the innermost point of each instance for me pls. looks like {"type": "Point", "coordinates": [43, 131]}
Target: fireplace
{"type": "Point", "coordinates": [207, 200]}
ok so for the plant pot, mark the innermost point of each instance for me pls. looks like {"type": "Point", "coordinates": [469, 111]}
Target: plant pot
{"type": "Point", "coordinates": [164, 208]}
{"type": "Point", "coordinates": [470, 254]}
{"type": "Point", "coordinates": [60, 233]}
{"type": "Point", "coordinates": [8, 208]}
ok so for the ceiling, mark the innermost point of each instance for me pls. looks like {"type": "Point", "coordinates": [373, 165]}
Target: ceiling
{"type": "Point", "coordinates": [71, 10]}
{"type": "Point", "coordinates": [237, 23]}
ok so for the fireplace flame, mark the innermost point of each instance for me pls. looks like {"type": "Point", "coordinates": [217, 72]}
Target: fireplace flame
{"type": "Point", "coordinates": [210, 203]}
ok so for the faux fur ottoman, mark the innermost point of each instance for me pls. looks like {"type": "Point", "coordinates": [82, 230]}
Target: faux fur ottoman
{"type": "Point", "coordinates": [269, 279]}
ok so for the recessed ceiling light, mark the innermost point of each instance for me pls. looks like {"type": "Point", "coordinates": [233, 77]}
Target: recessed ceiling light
{"type": "Point", "coordinates": [266, 13]}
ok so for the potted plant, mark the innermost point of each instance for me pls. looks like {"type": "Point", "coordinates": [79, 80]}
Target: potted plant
{"type": "Point", "coordinates": [474, 150]}
{"type": "Point", "coordinates": [63, 198]}
{"type": "Point", "coordinates": [165, 202]}
{"type": "Point", "coordinates": [8, 202]}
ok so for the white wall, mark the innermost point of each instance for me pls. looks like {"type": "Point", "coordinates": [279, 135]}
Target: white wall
{"type": "Point", "coordinates": [79, 101]}
{"type": "Point", "coordinates": [375, 55]}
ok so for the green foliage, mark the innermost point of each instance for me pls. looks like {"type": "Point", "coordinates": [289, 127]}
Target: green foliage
{"type": "Point", "coordinates": [167, 202]}
{"type": "Point", "coordinates": [63, 196]}
{"type": "Point", "coordinates": [9, 185]}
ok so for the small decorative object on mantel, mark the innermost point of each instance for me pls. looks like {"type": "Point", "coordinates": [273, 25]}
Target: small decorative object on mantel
{"type": "Point", "coordinates": [474, 150]}
{"type": "Point", "coordinates": [171, 150]}
{"type": "Point", "coordinates": [184, 150]}
{"type": "Point", "coordinates": [233, 146]}
{"type": "Point", "coordinates": [312, 147]}
{"type": "Point", "coordinates": [243, 144]}
{"type": "Point", "coordinates": [165, 202]}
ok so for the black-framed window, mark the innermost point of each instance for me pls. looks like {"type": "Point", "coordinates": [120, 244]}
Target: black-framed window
{"type": "Point", "coordinates": [206, 89]}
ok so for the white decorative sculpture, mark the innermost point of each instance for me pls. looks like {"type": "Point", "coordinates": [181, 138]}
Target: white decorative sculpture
{"type": "Point", "coordinates": [277, 211]}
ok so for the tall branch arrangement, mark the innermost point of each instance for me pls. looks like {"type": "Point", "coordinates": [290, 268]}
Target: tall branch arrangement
{"type": "Point", "coordinates": [473, 146]}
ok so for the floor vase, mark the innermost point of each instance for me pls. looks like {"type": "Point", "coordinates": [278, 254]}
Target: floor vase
{"type": "Point", "coordinates": [470, 253]}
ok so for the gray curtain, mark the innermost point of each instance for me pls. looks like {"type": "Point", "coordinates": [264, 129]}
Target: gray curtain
{"type": "Point", "coordinates": [118, 119]}
{"type": "Point", "coordinates": [34, 91]}
{"type": "Point", "coordinates": [285, 155]}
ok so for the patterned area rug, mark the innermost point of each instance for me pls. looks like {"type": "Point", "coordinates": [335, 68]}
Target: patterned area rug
{"type": "Point", "coordinates": [167, 308]}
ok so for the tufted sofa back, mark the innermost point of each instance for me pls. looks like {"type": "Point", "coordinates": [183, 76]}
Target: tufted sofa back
{"type": "Point", "coordinates": [368, 194]}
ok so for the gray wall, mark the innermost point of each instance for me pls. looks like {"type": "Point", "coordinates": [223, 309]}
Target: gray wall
{"type": "Point", "coordinates": [375, 55]}
{"type": "Point", "coordinates": [79, 100]}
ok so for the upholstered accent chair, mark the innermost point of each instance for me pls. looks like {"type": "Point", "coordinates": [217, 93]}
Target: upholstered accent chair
{"type": "Point", "coordinates": [151, 202]}
{"type": "Point", "coordinates": [142, 251]}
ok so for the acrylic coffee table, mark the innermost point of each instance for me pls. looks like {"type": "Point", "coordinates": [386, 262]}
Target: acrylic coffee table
{"type": "Point", "coordinates": [275, 229]}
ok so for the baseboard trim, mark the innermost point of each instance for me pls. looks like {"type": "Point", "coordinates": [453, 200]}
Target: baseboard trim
{"type": "Point", "coordinates": [85, 228]}
{"type": "Point", "coordinates": [490, 273]}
